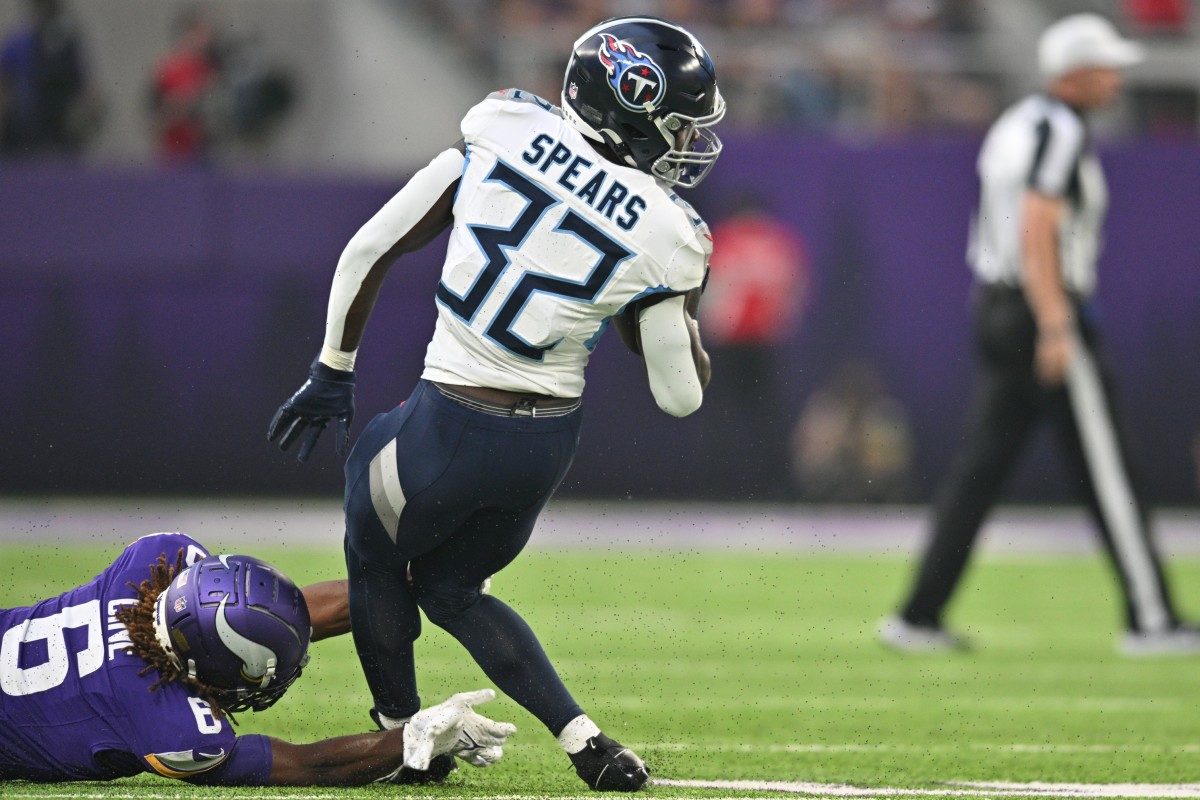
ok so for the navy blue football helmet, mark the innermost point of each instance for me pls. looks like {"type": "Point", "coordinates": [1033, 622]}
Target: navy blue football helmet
{"type": "Point", "coordinates": [237, 625]}
{"type": "Point", "coordinates": [647, 89]}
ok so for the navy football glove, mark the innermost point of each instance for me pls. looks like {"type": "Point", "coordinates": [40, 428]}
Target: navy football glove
{"type": "Point", "coordinates": [328, 394]}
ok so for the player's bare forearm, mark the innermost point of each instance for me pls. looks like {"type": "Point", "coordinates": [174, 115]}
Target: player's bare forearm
{"type": "Point", "coordinates": [1043, 286]}
{"type": "Point", "coordinates": [328, 608]}
{"type": "Point", "coordinates": [1041, 275]}
{"type": "Point", "coordinates": [353, 760]}
{"type": "Point", "coordinates": [436, 220]}
{"type": "Point", "coordinates": [421, 210]}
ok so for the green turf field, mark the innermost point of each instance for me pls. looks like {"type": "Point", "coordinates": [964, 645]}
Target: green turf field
{"type": "Point", "coordinates": [735, 665]}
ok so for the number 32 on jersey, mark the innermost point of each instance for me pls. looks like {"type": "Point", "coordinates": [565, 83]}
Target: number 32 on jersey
{"type": "Point", "coordinates": [496, 244]}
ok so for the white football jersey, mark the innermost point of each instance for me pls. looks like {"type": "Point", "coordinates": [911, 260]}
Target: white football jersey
{"type": "Point", "coordinates": [549, 241]}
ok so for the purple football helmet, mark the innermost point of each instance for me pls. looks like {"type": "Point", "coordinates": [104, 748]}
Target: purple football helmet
{"type": "Point", "coordinates": [238, 625]}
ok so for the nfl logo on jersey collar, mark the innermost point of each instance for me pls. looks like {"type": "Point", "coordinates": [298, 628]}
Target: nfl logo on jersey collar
{"type": "Point", "coordinates": [635, 79]}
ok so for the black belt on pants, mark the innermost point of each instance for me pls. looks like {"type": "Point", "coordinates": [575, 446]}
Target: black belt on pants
{"type": "Point", "coordinates": [526, 407]}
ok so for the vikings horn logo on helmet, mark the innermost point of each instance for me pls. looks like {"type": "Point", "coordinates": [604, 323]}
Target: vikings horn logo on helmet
{"type": "Point", "coordinates": [635, 79]}
{"type": "Point", "coordinates": [258, 661]}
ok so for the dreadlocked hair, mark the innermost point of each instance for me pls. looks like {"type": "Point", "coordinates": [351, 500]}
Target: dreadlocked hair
{"type": "Point", "coordinates": [138, 618]}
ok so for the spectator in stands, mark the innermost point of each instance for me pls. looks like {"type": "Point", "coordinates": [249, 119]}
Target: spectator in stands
{"type": "Point", "coordinates": [757, 288]}
{"type": "Point", "coordinates": [183, 90]}
{"type": "Point", "coordinates": [259, 94]}
{"type": "Point", "coordinates": [47, 107]}
{"type": "Point", "coordinates": [1159, 17]}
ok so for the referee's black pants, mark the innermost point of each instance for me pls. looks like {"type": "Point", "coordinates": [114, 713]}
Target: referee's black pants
{"type": "Point", "coordinates": [1008, 402]}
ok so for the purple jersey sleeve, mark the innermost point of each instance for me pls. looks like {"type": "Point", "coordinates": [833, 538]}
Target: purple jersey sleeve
{"type": "Point", "coordinates": [176, 734]}
{"type": "Point", "coordinates": [248, 764]}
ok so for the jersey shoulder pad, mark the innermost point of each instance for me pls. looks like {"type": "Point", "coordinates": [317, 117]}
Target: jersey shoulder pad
{"type": "Point", "coordinates": [518, 96]}
{"type": "Point", "coordinates": [700, 235]}
{"type": "Point", "coordinates": [503, 102]}
{"type": "Point", "coordinates": [149, 547]}
{"type": "Point", "coordinates": [688, 268]}
{"type": "Point", "coordinates": [1059, 142]}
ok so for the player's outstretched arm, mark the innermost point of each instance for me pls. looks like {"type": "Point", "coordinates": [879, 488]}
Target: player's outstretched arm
{"type": "Point", "coordinates": [451, 727]}
{"type": "Point", "coordinates": [677, 365]}
{"type": "Point", "coordinates": [328, 608]}
{"type": "Point", "coordinates": [414, 216]}
{"type": "Point", "coordinates": [342, 761]}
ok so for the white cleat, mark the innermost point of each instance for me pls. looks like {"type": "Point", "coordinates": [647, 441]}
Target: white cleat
{"type": "Point", "coordinates": [1182, 640]}
{"type": "Point", "coordinates": [900, 634]}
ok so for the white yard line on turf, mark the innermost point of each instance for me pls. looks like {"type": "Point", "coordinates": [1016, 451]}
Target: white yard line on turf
{"type": "Point", "coordinates": [1090, 789]}
{"type": "Point", "coordinates": [1105, 790]}
{"type": "Point", "coordinates": [997, 747]}
{"type": "Point", "coordinates": [1110, 705]}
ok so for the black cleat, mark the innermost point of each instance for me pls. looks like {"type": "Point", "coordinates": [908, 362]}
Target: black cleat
{"type": "Point", "coordinates": [440, 767]}
{"type": "Point", "coordinates": [608, 766]}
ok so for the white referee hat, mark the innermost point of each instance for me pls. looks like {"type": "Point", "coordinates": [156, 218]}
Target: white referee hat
{"type": "Point", "coordinates": [1085, 40]}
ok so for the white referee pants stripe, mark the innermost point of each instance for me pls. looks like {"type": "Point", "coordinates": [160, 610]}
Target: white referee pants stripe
{"type": "Point", "coordinates": [1113, 491]}
{"type": "Point", "coordinates": [386, 493]}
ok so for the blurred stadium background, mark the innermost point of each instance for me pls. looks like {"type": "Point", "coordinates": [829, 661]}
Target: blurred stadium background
{"type": "Point", "coordinates": [160, 296]}
{"type": "Point", "coordinates": [164, 268]}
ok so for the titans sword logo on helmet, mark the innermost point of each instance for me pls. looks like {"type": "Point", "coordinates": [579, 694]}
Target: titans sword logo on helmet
{"type": "Point", "coordinates": [636, 80]}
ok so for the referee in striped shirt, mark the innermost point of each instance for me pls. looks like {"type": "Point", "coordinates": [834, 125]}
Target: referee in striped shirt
{"type": "Point", "coordinates": [1034, 244]}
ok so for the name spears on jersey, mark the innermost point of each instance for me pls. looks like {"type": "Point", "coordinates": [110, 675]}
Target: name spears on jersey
{"type": "Point", "coordinates": [615, 195]}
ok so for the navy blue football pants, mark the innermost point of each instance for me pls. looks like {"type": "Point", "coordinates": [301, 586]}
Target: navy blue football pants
{"type": "Point", "coordinates": [438, 498]}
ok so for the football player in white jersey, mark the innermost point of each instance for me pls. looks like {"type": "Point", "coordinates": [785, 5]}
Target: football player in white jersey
{"type": "Point", "coordinates": [562, 220]}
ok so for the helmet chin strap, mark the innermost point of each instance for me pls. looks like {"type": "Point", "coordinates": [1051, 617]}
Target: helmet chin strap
{"type": "Point", "coordinates": [614, 144]}
{"type": "Point", "coordinates": [605, 137]}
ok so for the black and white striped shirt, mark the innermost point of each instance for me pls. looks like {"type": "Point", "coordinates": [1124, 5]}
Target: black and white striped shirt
{"type": "Point", "coordinates": [1040, 144]}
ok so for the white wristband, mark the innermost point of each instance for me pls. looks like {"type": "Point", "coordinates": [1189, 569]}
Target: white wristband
{"type": "Point", "coordinates": [338, 359]}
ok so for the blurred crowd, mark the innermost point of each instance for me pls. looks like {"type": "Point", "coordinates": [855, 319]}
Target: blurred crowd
{"type": "Point", "coordinates": [842, 65]}
{"type": "Point", "coordinates": [834, 67]}
{"type": "Point", "coordinates": [48, 105]}
{"type": "Point", "coordinates": [839, 67]}
{"type": "Point", "coordinates": [207, 89]}
{"type": "Point", "coordinates": [204, 92]}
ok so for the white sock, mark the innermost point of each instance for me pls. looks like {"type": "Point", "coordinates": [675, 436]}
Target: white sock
{"type": "Point", "coordinates": [574, 737]}
{"type": "Point", "coordinates": [391, 723]}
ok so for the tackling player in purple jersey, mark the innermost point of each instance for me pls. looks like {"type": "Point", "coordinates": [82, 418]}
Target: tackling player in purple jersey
{"type": "Point", "coordinates": [140, 669]}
